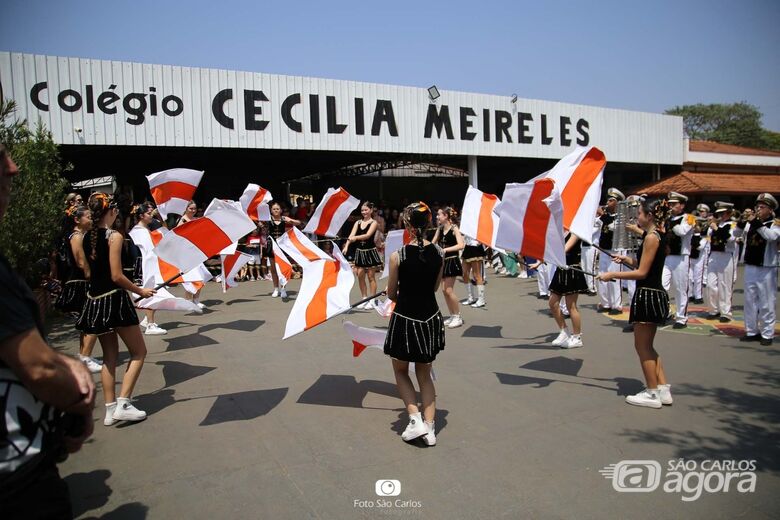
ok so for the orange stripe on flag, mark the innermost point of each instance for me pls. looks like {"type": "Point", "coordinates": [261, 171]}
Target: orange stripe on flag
{"type": "Point", "coordinates": [230, 261]}
{"type": "Point", "coordinates": [305, 251]}
{"type": "Point", "coordinates": [256, 201]}
{"type": "Point", "coordinates": [579, 183]}
{"type": "Point", "coordinates": [284, 267]}
{"type": "Point", "coordinates": [166, 270]}
{"type": "Point", "coordinates": [205, 235]}
{"type": "Point", "coordinates": [172, 190]}
{"type": "Point", "coordinates": [485, 223]}
{"type": "Point", "coordinates": [317, 310]}
{"type": "Point", "coordinates": [336, 200]}
{"type": "Point", "coordinates": [537, 218]}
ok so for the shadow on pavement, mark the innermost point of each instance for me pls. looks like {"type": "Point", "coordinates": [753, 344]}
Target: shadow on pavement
{"type": "Point", "coordinates": [345, 391]}
{"type": "Point", "coordinates": [399, 425]}
{"type": "Point", "coordinates": [481, 331]}
{"type": "Point", "coordinates": [88, 491]}
{"type": "Point", "coordinates": [131, 511]}
{"type": "Point", "coordinates": [242, 325]}
{"type": "Point", "coordinates": [243, 406]}
{"type": "Point", "coordinates": [239, 300]}
{"type": "Point", "coordinates": [194, 340]}
{"type": "Point", "coordinates": [175, 372]}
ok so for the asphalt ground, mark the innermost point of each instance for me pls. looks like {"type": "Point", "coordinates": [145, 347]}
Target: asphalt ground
{"type": "Point", "coordinates": [244, 425]}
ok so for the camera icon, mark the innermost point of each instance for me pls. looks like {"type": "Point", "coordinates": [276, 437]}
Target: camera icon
{"type": "Point", "coordinates": [634, 476]}
{"type": "Point", "coordinates": [387, 488]}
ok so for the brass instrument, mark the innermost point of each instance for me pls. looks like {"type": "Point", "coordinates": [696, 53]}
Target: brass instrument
{"type": "Point", "coordinates": [627, 212]}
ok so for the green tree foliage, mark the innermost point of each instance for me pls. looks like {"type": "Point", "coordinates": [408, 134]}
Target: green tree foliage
{"type": "Point", "coordinates": [736, 123]}
{"type": "Point", "coordinates": [34, 216]}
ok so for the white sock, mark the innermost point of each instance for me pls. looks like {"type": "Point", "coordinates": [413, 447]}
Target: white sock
{"type": "Point", "coordinates": [481, 291]}
{"type": "Point", "coordinates": [470, 290]}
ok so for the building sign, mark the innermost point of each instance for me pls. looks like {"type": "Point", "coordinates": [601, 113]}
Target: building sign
{"type": "Point", "coordinates": [95, 102]}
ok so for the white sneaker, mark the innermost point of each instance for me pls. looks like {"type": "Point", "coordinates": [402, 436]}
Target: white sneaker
{"type": "Point", "coordinates": [665, 392]}
{"type": "Point", "coordinates": [200, 305]}
{"type": "Point", "coordinates": [109, 419]}
{"type": "Point", "coordinates": [573, 341]}
{"type": "Point", "coordinates": [127, 412]}
{"type": "Point", "coordinates": [456, 322]}
{"type": "Point", "coordinates": [144, 322]}
{"type": "Point", "coordinates": [430, 438]}
{"type": "Point", "coordinates": [648, 398]}
{"type": "Point", "coordinates": [468, 301]}
{"type": "Point", "coordinates": [561, 338]}
{"type": "Point", "coordinates": [283, 293]}
{"type": "Point", "coordinates": [275, 294]}
{"type": "Point", "coordinates": [415, 428]}
{"type": "Point", "coordinates": [523, 275]}
{"type": "Point", "coordinates": [448, 320]}
{"type": "Point", "coordinates": [92, 364]}
{"type": "Point", "coordinates": [153, 330]}
{"type": "Point", "coordinates": [479, 303]}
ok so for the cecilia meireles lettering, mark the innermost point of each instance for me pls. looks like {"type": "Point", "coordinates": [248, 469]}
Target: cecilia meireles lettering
{"type": "Point", "coordinates": [298, 110]}
{"type": "Point", "coordinates": [135, 104]}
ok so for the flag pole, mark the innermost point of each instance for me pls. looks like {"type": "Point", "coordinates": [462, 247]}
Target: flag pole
{"type": "Point", "coordinates": [160, 286]}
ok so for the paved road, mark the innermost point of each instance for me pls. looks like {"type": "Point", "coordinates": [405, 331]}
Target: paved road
{"type": "Point", "coordinates": [242, 425]}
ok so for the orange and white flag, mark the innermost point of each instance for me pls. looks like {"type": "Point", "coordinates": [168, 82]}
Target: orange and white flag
{"type": "Point", "coordinates": [163, 300]}
{"type": "Point", "coordinates": [255, 201]}
{"type": "Point", "coordinates": [155, 270]}
{"type": "Point", "coordinates": [283, 266]}
{"type": "Point", "coordinates": [395, 240]}
{"type": "Point", "coordinates": [173, 189]}
{"type": "Point", "coordinates": [191, 244]}
{"type": "Point", "coordinates": [331, 213]}
{"type": "Point", "coordinates": [530, 221]}
{"type": "Point", "coordinates": [478, 220]}
{"type": "Point", "coordinates": [578, 177]}
{"type": "Point", "coordinates": [231, 266]}
{"type": "Point", "coordinates": [363, 338]}
{"type": "Point", "coordinates": [300, 248]}
{"type": "Point", "coordinates": [324, 293]}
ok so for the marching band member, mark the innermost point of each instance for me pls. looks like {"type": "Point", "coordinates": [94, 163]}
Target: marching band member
{"type": "Point", "coordinates": [699, 255]}
{"type": "Point", "coordinates": [676, 265]}
{"type": "Point", "coordinates": [720, 276]}
{"type": "Point", "coordinates": [590, 256]}
{"type": "Point", "coordinates": [761, 257]}
{"type": "Point", "coordinates": [609, 293]}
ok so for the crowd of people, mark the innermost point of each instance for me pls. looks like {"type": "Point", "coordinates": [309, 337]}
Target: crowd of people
{"type": "Point", "coordinates": [676, 256]}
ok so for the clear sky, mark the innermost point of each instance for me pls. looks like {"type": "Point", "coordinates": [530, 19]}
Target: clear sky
{"type": "Point", "coordinates": [641, 55]}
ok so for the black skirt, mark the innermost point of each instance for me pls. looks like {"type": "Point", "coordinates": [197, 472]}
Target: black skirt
{"type": "Point", "coordinates": [102, 314]}
{"type": "Point", "coordinates": [73, 296]}
{"type": "Point", "coordinates": [568, 281]}
{"type": "Point", "coordinates": [414, 340]}
{"type": "Point", "coordinates": [473, 253]}
{"type": "Point", "coordinates": [649, 306]}
{"type": "Point", "coordinates": [367, 258]}
{"type": "Point", "coordinates": [452, 267]}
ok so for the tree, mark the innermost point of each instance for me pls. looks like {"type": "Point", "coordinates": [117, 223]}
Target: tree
{"type": "Point", "coordinates": [33, 219]}
{"type": "Point", "coordinates": [736, 123]}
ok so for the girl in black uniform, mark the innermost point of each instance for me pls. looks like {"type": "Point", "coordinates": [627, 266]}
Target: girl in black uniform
{"type": "Point", "coordinates": [473, 263]}
{"type": "Point", "coordinates": [366, 256]}
{"type": "Point", "coordinates": [450, 240]}
{"type": "Point", "coordinates": [569, 284]}
{"type": "Point", "coordinates": [276, 228]}
{"type": "Point", "coordinates": [416, 330]}
{"type": "Point", "coordinates": [78, 222]}
{"type": "Point", "coordinates": [109, 311]}
{"type": "Point", "coordinates": [650, 304]}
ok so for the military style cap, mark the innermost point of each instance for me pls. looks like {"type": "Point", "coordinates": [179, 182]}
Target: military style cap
{"type": "Point", "coordinates": [673, 196]}
{"type": "Point", "coordinates": [767, 199]}
{"type": "Point", "coordinates": [703, 207]}
{"type": "Point", "coordinates": [721, 206]}
{"type": "Point", "coordinates": [614, 193]}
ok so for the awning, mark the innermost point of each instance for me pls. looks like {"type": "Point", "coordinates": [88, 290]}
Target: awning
{"type": "Point", "coordinates": [702, 183]}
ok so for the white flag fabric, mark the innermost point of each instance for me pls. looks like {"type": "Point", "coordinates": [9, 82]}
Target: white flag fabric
{"type": "Point", "coordinates": [282, 264]}
{"type": "Point", "coordinates": [530, 221]}
{"type": "Point", "coordinates": [300, 248]}
{"type": "Point", "coordinates": [173, 189]}
{"type": "Point", "coordinates": [324, 293]}
{"type": "Point", "coordinates": [163, 300]}
{"type": "Point", "coordinates": [193, 243]}
{"type": "Point", "coordinates": [231, 266]}
{"type": "Point", "coordinates": [155, 270]}
{"type": "Point", "coordinates": [255, 201]}
{"type": "Point", "coordinates": [331, 213]}
{"type": "Point", "coordinates": [578, 178]}
{"type": "Point", "coordinates": [478, 220]}
{"type": "Point", "coordinates": [363, 338]}
{"type": "Point", "coordinates": [383, 308]}
{"type": "Point", "coordinates": [395, 240]}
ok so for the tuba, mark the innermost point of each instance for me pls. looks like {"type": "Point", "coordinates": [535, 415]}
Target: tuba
{"type": "Point", "coordinates": [627, 212]}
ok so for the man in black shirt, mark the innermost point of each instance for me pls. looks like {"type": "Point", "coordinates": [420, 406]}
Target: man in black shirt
{"type": "Point", "coordinates": [47, 398]}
